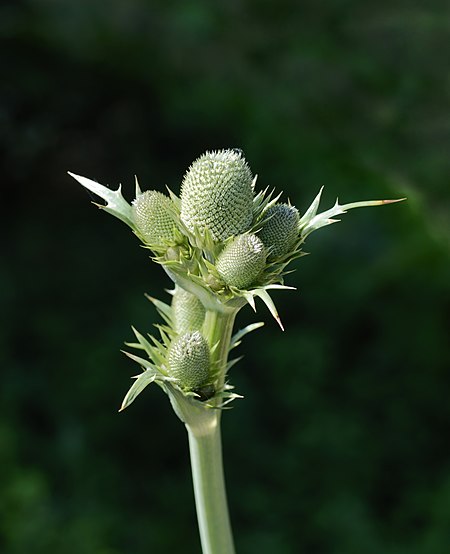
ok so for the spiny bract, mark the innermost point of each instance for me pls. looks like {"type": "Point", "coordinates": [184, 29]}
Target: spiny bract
{"type": "Point", "coordinates": [280, 231]}
{"type": "Point", "coordinates": [152, 215]}
{"type": "Point", "coordinates": [189, 360]}
{"type": "Point", "coordinates": [241, 261]}
{"type": "Point", "coordinates": [217, 194]}
{"type": "Point", "coordinates": [188, 312]}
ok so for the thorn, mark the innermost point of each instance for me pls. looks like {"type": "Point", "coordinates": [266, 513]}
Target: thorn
{"type": "Point", "coordinates": [138, 190]}
{"type": "Point", "coordinates": [151, 298]}
{"type": "Point", "coordinates": [251, 301]}
{"type": "Point", "coordinates": [393, 201]}
{"type": "Point", "coordinates": [122, 406]}
{"type": "Point", "coordinates": [278, 320]}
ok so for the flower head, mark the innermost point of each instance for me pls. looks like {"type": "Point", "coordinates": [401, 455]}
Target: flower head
{"type": "Point", "coordinates": [152, 216]}
{"type": "Point", "coordinates": [217, 194]}
{"type": "Point", "coordinates": [241, 261]}
{"type": "Point", "coordinates": [189, 360]}
{"type": "Point", "coordinates": [280, 229]}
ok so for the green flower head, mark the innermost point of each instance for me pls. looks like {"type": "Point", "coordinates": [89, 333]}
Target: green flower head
{"type": "Point", "coordinates": [188, 312]}
{"type": "Point", "coordinates": [280, 229]}
{"type": "Point", "coordinates": [189, 360]}
{"type": "Point", "coordinates": [217, 194]}
{"type": "Point", "coordinates": [152, 216]}
{"type": "Point", "coordinates": [241, 261]}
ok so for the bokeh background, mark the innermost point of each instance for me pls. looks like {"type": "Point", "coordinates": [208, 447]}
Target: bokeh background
{"type": "Point", "coordinates": [341, 445]}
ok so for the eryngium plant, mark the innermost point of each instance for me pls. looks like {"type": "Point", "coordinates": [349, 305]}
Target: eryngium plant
{"type": "Point", "coordinates": [223, 245]}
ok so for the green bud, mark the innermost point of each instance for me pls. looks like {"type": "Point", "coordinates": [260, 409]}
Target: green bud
{"type": "Point", "coordinates": [152, 215]}
{"type": "Point", "coordinates": [217, 194]}
{"type": "Point", "coordinates": [188, 312]}
{"type": "Point", "coordinates": [280, 231]}
{"type": "Point", "coordinates": [173, 253]}
{"type": "Point", "coordinates": [213, 283]}
{"type": "Point", "coordinates": [189, 361]}
{"type": "Point", "coordinates": [241, 261]}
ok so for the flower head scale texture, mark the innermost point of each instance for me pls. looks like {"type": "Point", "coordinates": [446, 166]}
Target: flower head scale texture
{"type": "Point", "coordinates": [189, 360]}
{"type": "Point", "coordinates": [188, 312]}
{"type": "Point", "coordinates": [217, 194]}
{"type": "Point", "coordinates": [279, 230]}
{"type": "Point", "coordinates": [152, 217]}
{"type": "Point", "coordinates": [241, 261]}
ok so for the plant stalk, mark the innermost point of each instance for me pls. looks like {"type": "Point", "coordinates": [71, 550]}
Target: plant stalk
{"type": "Point", "coordinates": [209, 486]}
{"type": "Point", "coordinates": [205, 446]}
{"type": "Point", "coordinates": [217, 329]}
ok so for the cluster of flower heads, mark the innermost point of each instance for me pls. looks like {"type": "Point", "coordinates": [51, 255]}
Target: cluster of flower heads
{"type": "Point", "coordinates": [219, 230]}
{"type": "Point", "coordinates": [224, 241]}
{"type": "Point", "coordinates": [223, 244]}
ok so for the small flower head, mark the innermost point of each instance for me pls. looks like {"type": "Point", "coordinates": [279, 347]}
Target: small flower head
{"type": "Point", "coordinates": [152, 216]}
{"type": "Point", "coordinates": [217, 194]}
{"type": "Point", "coordinates": [189, 360]}
{"type": "Point", "coordinates": [241, 261]}
{"type": "Point", "coordinates": [280, 229]}
{"type": "Point", "coordinates": [188, 312]}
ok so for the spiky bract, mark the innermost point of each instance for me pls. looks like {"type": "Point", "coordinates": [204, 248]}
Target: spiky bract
{"type": "Point", "coordinates": [152, 215]}
{"type": "Point", "coordinates": [188, 312]}
{"type": "Point", "coordinates": [241, 261]}
{"type": "Point", "coordinates": [189, 360]}
{"type": "Point", "coordinates": [280, 229]}
{"type": "Point", "coordinates": [217, 194]}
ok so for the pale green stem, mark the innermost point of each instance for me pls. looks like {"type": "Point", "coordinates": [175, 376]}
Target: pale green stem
{"type": "Point", "coordinates": [209, 487]}
{"type": "Point", "coordinates": [217, 329]}
{"type": "Point", "coordinates": [206, 448]}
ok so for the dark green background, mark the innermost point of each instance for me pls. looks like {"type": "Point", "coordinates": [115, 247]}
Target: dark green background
{"type": "Point", "coordinates": [341, 445]}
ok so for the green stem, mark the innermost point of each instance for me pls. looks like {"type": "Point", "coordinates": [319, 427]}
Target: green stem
{"type": "Point", "coordinates": [206, 448]}
{"type": "Point", "coordinates": [209, 486]}
{"type": "Point", "coordinates": [217, 329]}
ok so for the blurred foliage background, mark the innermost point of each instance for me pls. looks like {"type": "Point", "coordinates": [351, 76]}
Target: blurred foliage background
{"type": "Point", "coordinates": [341, 445]}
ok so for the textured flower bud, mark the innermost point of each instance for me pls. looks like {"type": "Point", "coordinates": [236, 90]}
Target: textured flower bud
{"type": "Point", "coordinates": [280, 231]}
{"type": "Point", "coordinates": [188, 312]}
{"type": "Point", "coordinates": [152, 217]}
{"type": "Point", "coordinates": [189, 360]}
{"type": "Point", "coordinates": [217, 194]}
{"type": "Point", "coordinates": [241, 261]}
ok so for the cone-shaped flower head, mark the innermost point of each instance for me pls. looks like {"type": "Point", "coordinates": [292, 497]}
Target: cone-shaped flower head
{"type": "Point", "coordinates": [152, 215]}
{"type": "Point", "coordinates": [280, 231]}
{"type": "Point", "coordinates": [217, 194]}
{"type": "Point", "coordinates": [189, 360]}
{"type": "Point", "coordinates": [187, 311]}
{"type": "Point", "coordinates": [241, 261]}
